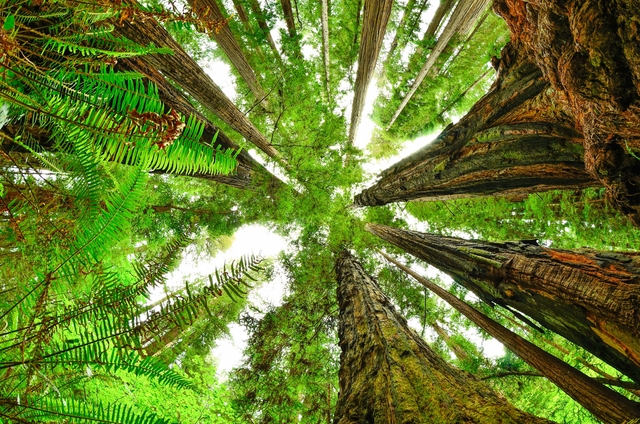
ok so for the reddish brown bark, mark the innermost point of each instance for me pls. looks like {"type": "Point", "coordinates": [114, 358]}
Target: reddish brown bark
{"type": "Point", "coordinates": [210, 10]}
{"type": "Point", "coordinates": [516, 140]}
{"type": "Point", "coordinates": [389, 374]}
{"type": "Point", "coordinates": [589, 297]}
{"type": "Point", "coordinates": [183, 70]}
{"type": "Point", "coordinates": [374, 25]}
{"type": "Point", "coordinates": [588, 50]}
{"type": "Point", "coordinates": [604, 403]}
{"type": "Point", "coordinates": [287, 10]}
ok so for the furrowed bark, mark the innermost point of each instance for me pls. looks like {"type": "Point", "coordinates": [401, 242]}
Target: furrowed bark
{"type": "Point", "coordinates": [514, 141]}
{"type": "Point", "coordinates": [247, 166]}
{"type": "Point", "coordinates": [389, 374]}
{"type": "Point", "coordinates": [588, 50]}
{"type": "Point", "coordinates": [210, 10]}
{"type": "Point", "coordinates": [465, 14]}
{"type": "Point", "coordinates": [589, 297]}
{"type": "Point", "coordinates": [183, 70]}
{"type": "Point", "coordinates": [374, 25]}
{"type": "Point", "coordinates": [606, 404]}
{"type": "Point", "coordinates": [325, 45]}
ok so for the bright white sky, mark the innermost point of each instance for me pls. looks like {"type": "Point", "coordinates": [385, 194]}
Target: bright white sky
{"type": "Point", "coordinates": [260, 240]}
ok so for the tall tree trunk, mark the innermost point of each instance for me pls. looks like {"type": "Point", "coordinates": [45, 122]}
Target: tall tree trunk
{"type": "Point", "coordinates": [354, 44]}
{"type": "Point", "coordinates": [604, 403]}
{"type": "Point", "coordinates": [210, 10]}
{"type": "Point", "coordinates": [389, 374]}
{"type": "Point", "coordinates": [262, 23]}
{"type": "Point", "coordinates": [588, 50]}
{"type": "Point", "coordinates": [287, 10]}
{"type": "Point", "coordinates": [186, 73]}
{"type": "Point", "coordinates": [242, 14]}
{"type": "Point", "coordinates": [587, 62]}
{"type": "Point", "coordinates": [374, 25]}
{"type": "Point", "coordinates": [516, 140]}
{"type": "Point", "coordinates": [408, 10]}
{"type": "Point", "coordinates": [428, 38]}
{"type": "Point", "coordinates": [325, 45]}
{"type": "Point", "coordinates": [466, 13]}
{"type": "Point", "coordinates": [453, 346]}
{"type": "Point", "coordinates": [588, 297]}
{"type": "Point", "coordinates": [172, 98]}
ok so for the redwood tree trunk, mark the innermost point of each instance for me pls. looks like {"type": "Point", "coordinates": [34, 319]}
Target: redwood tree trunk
{"type": "Point", "coordinates": [186, 73]}
{"type": "Point", "coordinates": [516, 140]}
{"type": "Point", "coordinates": [374, 25]}
{"type": "Point", "coordinates": [262, 23]}
{"type": "Point", "coordinates": [389, 374]}
{"type": "Point", "coordinates": [588, 50]}
{"type": "Point", "coordinates": [209, 10]}
{"type": "Point", "coordinates": [287, 10]}
{"type": "Point", "coordinates": [587, 60]}
{"type": "Point", "coordinates": [325, 45]}
{"type": "Point", "coordinates": [604, 403]}
{"type": "Point", "coordinates": [175, 100]}
{"type": "Point", "coordinates": [588, 297]}
{"type": "Point", "coordinates": [465, 14]}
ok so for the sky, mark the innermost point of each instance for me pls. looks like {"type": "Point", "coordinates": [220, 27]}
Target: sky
{"type": "Point", "coordinates": [259, 240]}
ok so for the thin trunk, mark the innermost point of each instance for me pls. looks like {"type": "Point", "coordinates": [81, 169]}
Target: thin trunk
{"type": "Point", "coordinates": [627, 385]}
{"type": "Point", "coordinates": [444, 8]}
{"type": "Point", "coordinates": [193, 79]}
{"type": "Point", "coordinates": [455, 348]}
{"type": "Point", "coordinates": [516, 140]}
{"type": "Point", "coordinates": [408, 10]}
{"type": "Point", "coordinates": [262, 23]}
{"type": "Point", "coordinates": [354, 44]}
{"type": "Point", "coordinates": [375, 18]}
{"type": "Point", "coordinates": [210, 10]}
{"type": "Point", "coordinates": [606, 404]}
{"type": "Point", "coordinates": [172, 98]}
{"type": "Point", "coordinates": [288, 17]}
{"type": "Point", "coordinates": [325, 46]}
{"type": "Point", "coordinates": [389, 374]}
{"type": "Point", "coordinates": [588, 297]}
{"type": "Point", "coordinates": [466, 13]}
{"type": "Point", "coordinates": [242, 14]}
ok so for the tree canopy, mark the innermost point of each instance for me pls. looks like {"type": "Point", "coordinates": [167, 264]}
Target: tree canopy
{"type": "Point", "coordinates": [124, 158]}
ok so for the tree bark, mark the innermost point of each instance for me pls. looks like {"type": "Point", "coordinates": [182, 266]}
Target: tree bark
{"type": "Point", "coordinates": [516, 140]}
{"type": "Point", "coordinates": [288, 17]}
{"type": "Point", "coordinates": [587, 54]}
{"type": "Point", "coordinates": [173, 99]}
{"type": "Point", "coordinates": [374, 25]}
{"type": "Point", "coordinates": [325, 45]}
{"type": "Point", "coordinates": [389, 374]}
{"type": "Point", "coordinates": [444, 8]}
{"type": "Point", "coordinates": [180, 68]}
{"type": "Point", "coordinates": [210, 10]}
{"type": "Point", "coordinates": [588, 297]}
{"type": "Point", "coordinates": [408, 9]}
{"type": "Point", "coordinates": [606, 404]}
{"type": "Point", "coordinates": [464, 15]}
{"type": "Point", "coordinates": [589, 51]}
{"type": "Point", "coordinates": [262, 23]}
